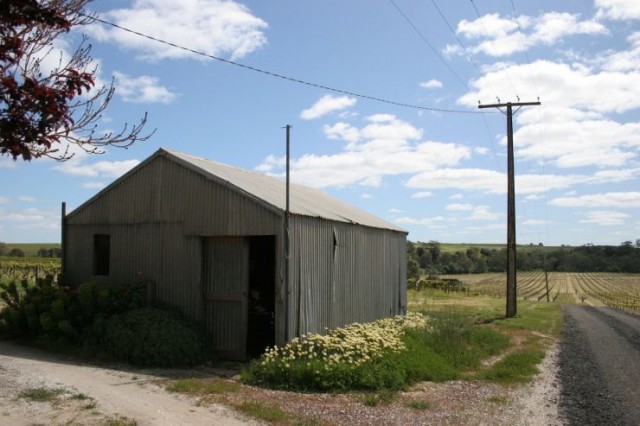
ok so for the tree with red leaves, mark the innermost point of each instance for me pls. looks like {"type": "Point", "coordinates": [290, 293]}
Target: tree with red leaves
{"type": "Point", "coordinates": [44, 108]}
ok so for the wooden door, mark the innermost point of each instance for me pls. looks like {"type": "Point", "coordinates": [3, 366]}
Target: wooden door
{"type": "Point", "coordinates": [226, 284]}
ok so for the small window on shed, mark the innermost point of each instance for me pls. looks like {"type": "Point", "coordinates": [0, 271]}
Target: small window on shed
{"type": "Point", "coordinates": [101, 254]}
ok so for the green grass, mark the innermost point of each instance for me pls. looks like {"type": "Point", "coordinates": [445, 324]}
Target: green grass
{"type": "Point", "coordinates": [382, 397]}
{"type": "Point", "coordinates": [540, 317]}
{"type": "Point", "coordinates": [451, 347]}
{"type": "Point", "coordinates": [119, 421]}
{"type": "Point", "coordinates": [517, 367]}
{"type": "Point", "coordinates": [267, 413]}
{"type": "Point", "coordinates": [418, 405]}
{"type": "Point", "coordinates": [80, 397]}
{"type": "Point", "coordinates": [202, 386]}
{"type": "Point", "coordinates": [41, 394]}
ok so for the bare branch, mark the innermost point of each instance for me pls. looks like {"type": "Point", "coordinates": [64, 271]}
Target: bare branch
{"type": "Point", "coordinates": [44, 110]}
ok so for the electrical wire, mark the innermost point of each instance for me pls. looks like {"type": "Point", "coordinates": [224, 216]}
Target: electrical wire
{"type": "Point", "coordinates": [526, 55]}
{"type": "Point", "coordinates": [487, 35]}
{"type": "Point", "coordinates": [435, 51]}
{"type": "Point", "coordinates": [473, 62]}
{"type": "Point", "coordinates": [284, 77]}
{"type": "Point", "coordinates": [453, 31]}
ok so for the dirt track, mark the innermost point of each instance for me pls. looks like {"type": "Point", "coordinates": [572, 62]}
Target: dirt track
{"type": "Point", "coordinates": [110, 393]}
{"type": "Point", "coordinates": [600, 367]}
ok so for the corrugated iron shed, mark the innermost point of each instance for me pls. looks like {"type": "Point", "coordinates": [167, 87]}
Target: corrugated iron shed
{"type": "Point", "coordinates": [207, 235]}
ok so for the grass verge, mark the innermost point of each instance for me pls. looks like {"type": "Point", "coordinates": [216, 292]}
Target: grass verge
{"type": "Point", "coordinates": [41, 394]}
{"type": "Point", "coordinates": [463, 333]}
{"type": "Point", "coordinates": [203, 386]}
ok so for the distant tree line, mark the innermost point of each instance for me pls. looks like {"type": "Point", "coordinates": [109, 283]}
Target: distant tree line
{"type": "Point", "coordinates": [49, 252]}
{"type": "Point", "coordinates": [42, 252]}
{"type": "Point", "coordinates": [430, 259]}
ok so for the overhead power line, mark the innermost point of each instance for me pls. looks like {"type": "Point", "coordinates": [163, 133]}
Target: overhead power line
{"type": "Point", "coordinates": [284, 77]}
{"type": "Point", "coordinates": [460, 43]}
{"type": "Point", "coordinates": [435, 51]}
{"type": "Point", "coordinates": [486, 33]}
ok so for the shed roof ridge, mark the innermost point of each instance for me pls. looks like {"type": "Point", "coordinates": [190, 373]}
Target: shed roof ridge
{"type": "Point", "coordinates": [305, 200]}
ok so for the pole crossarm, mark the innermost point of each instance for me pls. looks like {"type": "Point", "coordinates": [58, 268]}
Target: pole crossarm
{"type": "Point", "coordinates": [511, 205]}
{"type": "Point", "coordinates": [513, 104]}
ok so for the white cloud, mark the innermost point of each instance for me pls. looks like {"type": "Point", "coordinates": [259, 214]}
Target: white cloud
{"type": "Point", "coordinates": [476, 212]}
{"type": "Point", "coordinates": [106, 169]}
{"type": "Point", "coordinates": [385, 146]}
{"type": "Point", "coordinates": [142, 89]}
{"type": "Point", "coordinates": [93, 185]}
{"type": "Point", "coordinates": [494, 182]}
{"type": "Point", "coordinates": [618, 9]}
{"type": "Point", "coordinates": [497, 36]}
{"type": "Point", "coordinates": [624, 60]}
{"type": "Point", "coordinates": [215, 27]}
{"type": "Point", "coordinates": [534, 222]}
{"type": "Point", "coordinates": [326, 105]}
{"type": "Point", "coordinates": [610, 199]}
{"type": "Point", "coordinates": [484, 213]}
{"type": "Point", "coordinates": [27, 199]}
{"type": "Point", "coordinates": [466, 179]}
{"type": "Point", "coordinates": [366, 196]}
{"type": "Point", "coordinates": [427, 221]}
{"type": "Point", "coordinates": [422, 194]}
{"type": "Point", "coordinates": [605, 218]}
{"type": "Point", "coordinates": [459, 207]}
{"type": "Point", "coordinates": [342, 131]}
{"type": "Point", "coordinates": [572, 127]}
{"type": "Point", "coordinates": [31, 219]}
{"type": "Point", "coordinates": [4, 200]}
{"type": "Point", "coordinates": [563, 85]}
{"type": "Point", "coordinates": [580, 143]}
{"type": "Point", "coordinates": [432, 84]}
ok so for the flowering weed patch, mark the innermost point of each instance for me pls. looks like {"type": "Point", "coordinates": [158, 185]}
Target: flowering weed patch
{"type": "Point", "coordinates": [357, 356]}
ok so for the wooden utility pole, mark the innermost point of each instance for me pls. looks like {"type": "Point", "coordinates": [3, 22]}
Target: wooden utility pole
{"type": "Point", "coordinates": [511, 206]}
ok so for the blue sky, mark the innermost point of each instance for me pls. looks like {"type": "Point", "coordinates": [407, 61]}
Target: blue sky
{"type": "Point", "coordinates": [439, 174]}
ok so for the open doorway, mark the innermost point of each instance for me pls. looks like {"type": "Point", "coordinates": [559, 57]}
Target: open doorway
{"type": "Point", "coordinates": [262, 294]}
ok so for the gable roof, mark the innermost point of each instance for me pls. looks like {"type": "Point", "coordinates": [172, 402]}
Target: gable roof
{"type": "Point", "coordinates": [303, 200]}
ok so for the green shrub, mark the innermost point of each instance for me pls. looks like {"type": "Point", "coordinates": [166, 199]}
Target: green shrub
{"type": "Point", "coordinates": [152, 337]}
{"type": "Point", "coordinates": [48, 312]}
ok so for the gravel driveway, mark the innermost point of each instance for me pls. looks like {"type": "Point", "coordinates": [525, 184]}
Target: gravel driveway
{"type": "Point", "coordinates": [92, 395]}
{"type": "Point", "coordinates": [600, 366]}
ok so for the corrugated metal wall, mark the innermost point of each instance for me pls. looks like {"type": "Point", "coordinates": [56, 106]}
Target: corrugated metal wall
{"type": "Point", "coordinates": [226, 283]}
{"type": "Point", "coordinates": [160, 215]}
{"type": "Point", "coordinates": [157, 218]}
{"type": "Point", "coordinates": [343, 273]}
